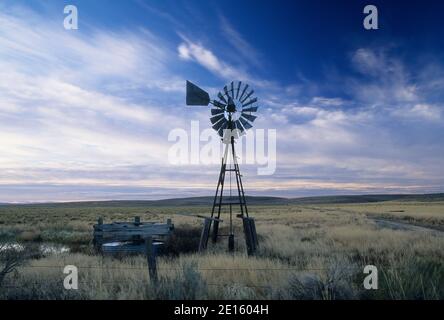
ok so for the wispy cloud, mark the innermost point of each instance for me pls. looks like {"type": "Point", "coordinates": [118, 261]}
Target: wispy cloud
{"type": "Point", "coordinates": [242, 47]}
{"type": "Point", "coordinates": [192, 51]}
{"type": "Point", "coordinates": [387, 79]}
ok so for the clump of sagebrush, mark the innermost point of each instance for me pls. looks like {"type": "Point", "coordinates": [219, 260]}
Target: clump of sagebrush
{"type": "Point", "coordinates": [188, 285]}
{"type": "Point", "coordinates": [239, 292]}
{"type": "Point", "coordinates": [413, 278]}
{"type": "Point", "coordinates": [184, 239]}
{"type": "Point", "coordinates": [13, 256]}
{"type": "Point", "coordinates": [24, 288]}
{"type": "Point", "coordinates": [336, 281]}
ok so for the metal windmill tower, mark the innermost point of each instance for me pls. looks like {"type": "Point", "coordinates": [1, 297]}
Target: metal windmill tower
{"type": "Point", "coordinates": [231, 115]}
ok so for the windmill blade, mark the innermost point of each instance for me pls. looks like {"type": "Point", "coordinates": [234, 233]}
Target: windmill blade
{"type": "Point", "coordinates": [221, 97]}
{"type": "Point", "coordinates": [221, 129]}
{"type": "Point", "coordinates": [232, 89]}
{"type": "Point", "coordinates": [249, 117]}
{"type": "Point", "coordinates": [196, 96]}
{"type": "Point", "coordinates": [218, 104]}
{"type": "Point", "coordinates": [226, 91]}
{"type": "Point", "coordinates": [216, 111]}
{"type": "Point", "coordinates": [220, 124]}
{"type": "Point", "coordinates": [238, 88]}
{"type": "Point", "coordinates": [216, 118]}
{"type": "Point", "coordinates": [243, 92]}
{"type": "Point", "coordinates": [249, 102]}
{"type": "Point", "coordinates": [250, 109]}
{"type": "Point", "coordinates": [245, 123]}
{"type": "Point", "coordinates": [239, 126]}
{"type": "Point", "coordinates": [248, 95]}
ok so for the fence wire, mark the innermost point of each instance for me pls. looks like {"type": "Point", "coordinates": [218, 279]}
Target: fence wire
{"type": "Point", "coordinates": [148, 282]}
{"type": "Point", "coordinates": [210, 269]}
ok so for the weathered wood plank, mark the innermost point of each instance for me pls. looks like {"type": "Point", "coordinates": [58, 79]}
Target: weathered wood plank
{"type": "Point", "coordinates": [151, 258]}
{"type": "Point", "coordinates": [131, 229]}
{"type": "Point", "coordinates": [129, 225]}
{"type": "Point", "coordinates": [127, 247]}
{"type": "Point", "coordinates": [140, 248]}
{"type": "Point", "coordinates": [158, 229]}
{"type": "Point", "coordinates": [248, 235]}
{"type": "Point", "coordinates": [253, 232]}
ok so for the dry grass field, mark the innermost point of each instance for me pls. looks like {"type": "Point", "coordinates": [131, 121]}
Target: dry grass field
{"type": "Point", "coordinates": [306, 251]}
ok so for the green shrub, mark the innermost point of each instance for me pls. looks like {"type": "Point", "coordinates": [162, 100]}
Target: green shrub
{"type": "Point", "coordinates": [188, 285]}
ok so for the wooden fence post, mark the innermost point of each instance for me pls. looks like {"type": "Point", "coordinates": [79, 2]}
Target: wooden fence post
{"type": "Point", "coordinates": [98, 234]}
{"type": "Point", "coordinates": [248, 236]}
{"type": "Point", "coordinates": [205, 234]}
{"type": "Point", "coordinates": [151, 258]}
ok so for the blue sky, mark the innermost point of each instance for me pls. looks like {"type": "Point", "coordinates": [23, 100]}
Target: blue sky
{"type": "Point", "coordinates": [85, 114]}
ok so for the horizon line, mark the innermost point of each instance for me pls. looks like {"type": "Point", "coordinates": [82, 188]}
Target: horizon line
{"type": "Point", "coordinates": [212, 196]}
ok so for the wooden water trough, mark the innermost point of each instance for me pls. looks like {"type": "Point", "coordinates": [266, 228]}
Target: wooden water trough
{"type": "Point", "coordinates": [129, 237]}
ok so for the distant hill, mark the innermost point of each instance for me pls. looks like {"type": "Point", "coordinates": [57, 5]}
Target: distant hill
{"type": "Point", "coordinates": [209, 200]}
{"type": "Point", "coordinates": [176, 202]}
{"type": "Point", "coordinates": [368, 198]}
{"type": "Point", "coordinates": [251, 200]}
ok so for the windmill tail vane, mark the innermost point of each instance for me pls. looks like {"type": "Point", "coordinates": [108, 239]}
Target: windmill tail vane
{"type": "Point", "coordinates": [232, 114]}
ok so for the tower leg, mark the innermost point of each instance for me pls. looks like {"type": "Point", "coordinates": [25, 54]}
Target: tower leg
{"type": "Point", "coordinates": [219, 195]}
{"type": "Point", "coordinates": [231, 242]}
{"type": "Point", "coordinates": [242, 203]}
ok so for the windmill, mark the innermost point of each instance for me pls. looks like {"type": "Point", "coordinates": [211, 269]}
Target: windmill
{"type": "Point", "coordinates": [232, 113]}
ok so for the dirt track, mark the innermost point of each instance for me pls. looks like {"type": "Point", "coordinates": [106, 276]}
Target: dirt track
{"type": "Point", "coordinates": [400, 225]}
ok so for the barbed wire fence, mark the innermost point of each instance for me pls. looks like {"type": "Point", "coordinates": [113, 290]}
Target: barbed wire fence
{"type": "Point", "coordinates": [207, 269]}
